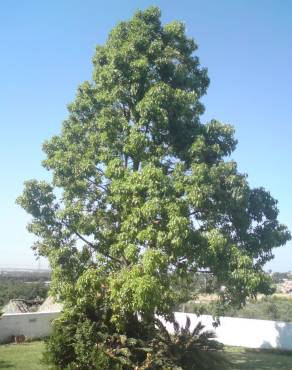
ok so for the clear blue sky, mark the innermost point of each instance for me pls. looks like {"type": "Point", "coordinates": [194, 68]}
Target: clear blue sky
{"type": "Point", "coordinates": [46, 49]}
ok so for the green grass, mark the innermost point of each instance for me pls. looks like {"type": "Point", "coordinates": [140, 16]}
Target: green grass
{"type": "Point", "coordinates": [250, 359]}
{"type": "Point", "coordinates": [27, 356]}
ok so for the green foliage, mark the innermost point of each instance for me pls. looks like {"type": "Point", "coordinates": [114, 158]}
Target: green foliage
{"type": "Point", "coordinates": [267, 308]}
{"type": "Point", "coordinates": [146, 193]}
{"type": "Point", "coordinates": [59, 348]}
{"type": "Point", "coordinates": [187, 349]}
{"type": "Point", "coordinates": [79, 343]}
{"type": "Point", "coordinates": [11, 288]}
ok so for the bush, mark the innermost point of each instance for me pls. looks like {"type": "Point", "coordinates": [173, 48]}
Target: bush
{"type": "Point", "coordinates": [188, 349]}
{"type": "Point", "coordinates": [80, 343]}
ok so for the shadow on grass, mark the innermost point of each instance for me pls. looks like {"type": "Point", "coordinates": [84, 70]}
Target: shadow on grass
{"type": "Point", "coordinates": [5, 365]}
{"type": "Point", "coordinates": [248, 359]}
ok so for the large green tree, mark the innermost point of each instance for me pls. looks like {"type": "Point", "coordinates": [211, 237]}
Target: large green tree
{"type": "Point", "coordinates": [143, 193]}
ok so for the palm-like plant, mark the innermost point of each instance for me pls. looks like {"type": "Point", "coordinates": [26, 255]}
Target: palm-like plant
{"type": "Point", "coordinates": [188, 349]}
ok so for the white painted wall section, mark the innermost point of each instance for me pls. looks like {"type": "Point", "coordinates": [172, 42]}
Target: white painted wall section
{"type": "Point", "coordinates": [33, 324]}
{"type": "Point", "coordinates": [247, 333]}
{"type": "Point", "coordinates": [232, 331]}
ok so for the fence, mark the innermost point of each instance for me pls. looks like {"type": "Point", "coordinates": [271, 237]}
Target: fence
{"type": "Point", "coordinates": [232, 331]}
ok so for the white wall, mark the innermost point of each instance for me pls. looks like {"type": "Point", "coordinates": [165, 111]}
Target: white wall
{"type": "Point", "coordinates": [33, 324]}
{"type": "Point", "coordinates": [232, 331]}
{"type": "Point", "coordinates": [244, 332]}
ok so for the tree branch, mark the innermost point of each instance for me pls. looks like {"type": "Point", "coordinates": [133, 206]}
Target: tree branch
{"type": "Point", "coordinates": [97, 185]}
{"type": "Point", "coordinates": [91, 245]}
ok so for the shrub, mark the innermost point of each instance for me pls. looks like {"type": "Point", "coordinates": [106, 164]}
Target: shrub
{"type": "Point", "coordinates": [78, 343]}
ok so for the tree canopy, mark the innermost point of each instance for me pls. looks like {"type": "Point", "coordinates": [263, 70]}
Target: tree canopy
{"type": "Point", "coordinates": [143, 193]}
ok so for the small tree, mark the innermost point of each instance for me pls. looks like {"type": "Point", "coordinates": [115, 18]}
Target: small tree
{"type": "Point", "coordinates": [143, 194]}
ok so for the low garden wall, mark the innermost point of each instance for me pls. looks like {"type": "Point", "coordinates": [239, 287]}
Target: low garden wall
{"type": "Point", "coordinates": [32, 325]}
{"type": "Point", "coordinates": [247, 333]}
{"type": "Point", "coordinates": [232, 331]}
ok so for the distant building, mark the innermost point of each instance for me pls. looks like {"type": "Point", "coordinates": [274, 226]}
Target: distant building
{"type": "Point", "coordinates": [286, 286]}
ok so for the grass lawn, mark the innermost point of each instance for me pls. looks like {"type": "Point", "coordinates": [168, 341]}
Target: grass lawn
{"type": "Point", "coordinates": [24, 356]}
{"type": "Point", "coordinates": [252, 359]}
{"type": "Point", "coordinates": [27, 356]}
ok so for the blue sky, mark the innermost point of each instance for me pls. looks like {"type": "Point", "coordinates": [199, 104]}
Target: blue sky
{"type": "Point", "coordinates": [46, 49]}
